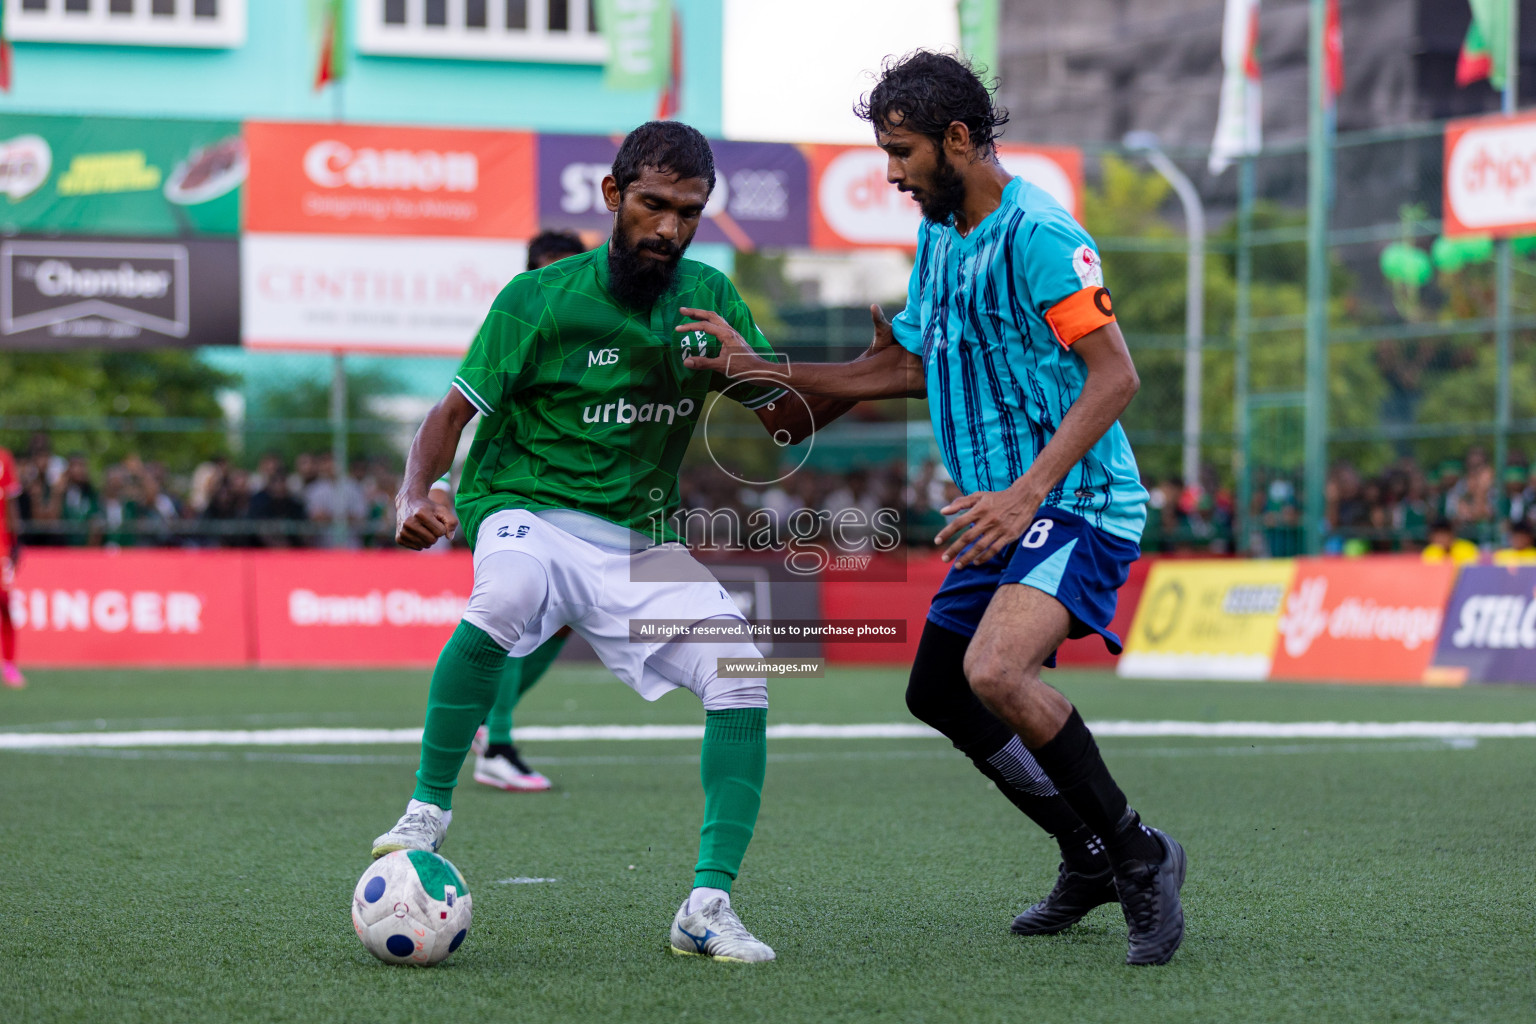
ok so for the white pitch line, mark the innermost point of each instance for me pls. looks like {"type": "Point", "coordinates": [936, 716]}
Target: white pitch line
{"type": "Point", "coordinates": [321, 737]}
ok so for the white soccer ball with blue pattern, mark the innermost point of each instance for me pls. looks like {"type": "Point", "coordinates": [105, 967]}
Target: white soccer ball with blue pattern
{"type": "Point", "coordinates": [411, 907]}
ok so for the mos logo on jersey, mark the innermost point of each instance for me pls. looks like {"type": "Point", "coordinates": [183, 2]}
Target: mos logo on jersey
{"type": "Point", "coordinates": [602, 357]}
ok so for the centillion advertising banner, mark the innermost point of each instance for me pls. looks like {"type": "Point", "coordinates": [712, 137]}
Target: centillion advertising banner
{"type": "Point", "coordinates": [1208, 619]}
{"type": "Point", "coordinates": [138, 177]}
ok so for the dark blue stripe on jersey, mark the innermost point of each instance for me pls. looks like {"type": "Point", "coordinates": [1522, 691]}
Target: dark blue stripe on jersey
{"type": "Point", "coordinates": [994, 383]}
{"type": "Point", "coordinates": [974, 422]}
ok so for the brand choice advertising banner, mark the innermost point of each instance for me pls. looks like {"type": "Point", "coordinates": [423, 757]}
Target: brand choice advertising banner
{"type": "Point", "coordinates": [347, 179]}
{"type": "Point", "coordinates": [760, 196]}
{"type": "Point", "coordinates": [1207, 619]}
{"type": "Point", "coordinates": [1361, 619]}
{"type": "Point", "coordinates": [854, 205]}
{"type": "Point", "coordinates": [59, 293]}
{"type": "Point", "coordinates": [120, 176]}
{"type": "Point", "coordinates": [1489, 187]}
{"type": "Point", "coordinates": [1490, 628]}
{"type": "Point", "coordinates": [131, 608]}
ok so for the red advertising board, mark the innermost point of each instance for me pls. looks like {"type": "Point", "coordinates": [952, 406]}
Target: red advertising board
{"type": "Point", "coordinates": [853, 205]}
{"type": "Point", "coordinates": [76, 607]}
{"type": "Point", "coordinates": [1362, 619]}
{"type": "Point", "coordinates": [351, 179]}
{"type": "Point", "coordinates": [1489, 184]}
{"type": "Point", "coordinates": [386, 608]}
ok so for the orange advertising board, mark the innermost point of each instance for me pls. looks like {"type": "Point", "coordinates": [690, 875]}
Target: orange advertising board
{"type": "Point", "coordinates": [1361, 619]}
{"type": "Point", "coordinates": [853, 205]}
{"type": "Point", "coordinates": [352, 179]}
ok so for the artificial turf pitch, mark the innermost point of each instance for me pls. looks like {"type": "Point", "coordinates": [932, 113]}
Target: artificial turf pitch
{"type": "Point", "coordinates": [1358, 881]}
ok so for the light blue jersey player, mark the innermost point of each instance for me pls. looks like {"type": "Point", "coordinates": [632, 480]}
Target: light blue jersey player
{"type": "Point", "coordinates": [1010, 333]}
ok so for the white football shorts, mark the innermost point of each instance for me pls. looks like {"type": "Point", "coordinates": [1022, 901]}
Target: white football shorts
{"type": "Point", "coordinates": [532, 578]}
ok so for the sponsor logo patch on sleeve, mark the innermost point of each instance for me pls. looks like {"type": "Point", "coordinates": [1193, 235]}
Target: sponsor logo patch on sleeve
{"type": "Point", "coordinates": [1089, 270]}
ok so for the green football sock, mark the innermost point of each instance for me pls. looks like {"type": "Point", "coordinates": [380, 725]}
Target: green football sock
{"type": "Point", "coordinates": [732, 764]}
{"type": "Point", "coordinates": [463, 689]}
{"type": "Point", "coordinates": [518, 679]}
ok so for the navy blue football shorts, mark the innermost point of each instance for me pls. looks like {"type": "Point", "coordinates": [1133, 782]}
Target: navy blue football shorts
{"type": "Point", "coordinates": [1060, 554]}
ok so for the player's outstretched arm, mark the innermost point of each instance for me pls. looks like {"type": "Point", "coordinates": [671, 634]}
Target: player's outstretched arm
{"type": "Point", "coordinates": [886, 370]}
{"type": "Point", "coordinates": [988, 520]}
{"type": "Point", "coordinates": [420, 520]}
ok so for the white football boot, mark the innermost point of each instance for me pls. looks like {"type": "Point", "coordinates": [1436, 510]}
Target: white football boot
{"type": "Point", "coordinates": [509, 773]}
{"type": "Point", "coordinates": [716, 932]}
{"type": "Point", "coordinates": [422, 827]}
{"type": "Point", "coordinates": [481, 741]}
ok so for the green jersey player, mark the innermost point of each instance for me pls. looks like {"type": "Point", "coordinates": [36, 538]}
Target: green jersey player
{"type": "Point", "coordinates": [498, 763]}
{"type": "Point", "coordinates": [586, 408]}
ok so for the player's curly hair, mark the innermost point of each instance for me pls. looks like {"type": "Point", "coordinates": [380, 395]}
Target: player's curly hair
{"type": "Point", "coordinates": [926, 92]}
{"type": "Point", "coordinates": [669, 146]}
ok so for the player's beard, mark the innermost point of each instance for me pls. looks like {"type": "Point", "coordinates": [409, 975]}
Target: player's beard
{"type": "Point", "coordinates": [637, 281]}
{"type": "Point", "coordinates": [946, 194]}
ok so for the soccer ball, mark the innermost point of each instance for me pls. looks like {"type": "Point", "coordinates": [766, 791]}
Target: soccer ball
{"type": "Point", "coordinates": [411, 907]}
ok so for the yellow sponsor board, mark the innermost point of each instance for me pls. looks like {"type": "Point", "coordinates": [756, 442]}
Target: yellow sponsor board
{"type": "Point", "coordinates": [1216, 619]}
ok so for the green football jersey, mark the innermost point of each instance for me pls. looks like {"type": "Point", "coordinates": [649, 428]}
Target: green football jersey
{"type": "Point", "coordinates": [585, 404]}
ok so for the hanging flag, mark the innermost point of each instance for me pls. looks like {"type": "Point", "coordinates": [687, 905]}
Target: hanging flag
{"type": "Point", "coordinates": [1485, 51]}
{"type": "Point", "coordinates": [5, 54]}
{"type": "Point", "coordinates": [1333, 52]}
{"type": "Point", "coordinates": [671, 99]}
{"type": "Point", "coordinates": [1475, 62]}
{"type": "Point", "coordinates": [332, 64]}
{"type": "Point", "coordinates": [978, 32]}
{"type": "Point", "coordinates": [1239, 119]}
{"type": "Point", "coordinates": [639, 35]}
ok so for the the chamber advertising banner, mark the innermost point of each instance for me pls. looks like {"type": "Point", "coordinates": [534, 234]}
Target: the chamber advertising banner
{"type": "Point", "coordinates": [1207, 619]}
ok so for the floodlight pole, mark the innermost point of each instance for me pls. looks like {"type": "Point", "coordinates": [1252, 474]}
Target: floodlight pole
{"type": "Point", "coordinates": [339, 447]}
{"type": "Point", "coordinates": [1315, 426]}
{"type": "Point", "coordinates": [1147, 144]}
{"type": "Point", "coordinates": [1505, 266]}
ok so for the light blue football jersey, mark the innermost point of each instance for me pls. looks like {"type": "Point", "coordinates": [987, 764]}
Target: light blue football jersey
{"type": "Point", "coordinates": [991, 315]}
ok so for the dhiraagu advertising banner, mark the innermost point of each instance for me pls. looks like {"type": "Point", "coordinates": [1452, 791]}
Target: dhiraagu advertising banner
{"type": "Point", "coordinates": [1208, 619]}
{"type": "Point", "coordinates": [133, 177]}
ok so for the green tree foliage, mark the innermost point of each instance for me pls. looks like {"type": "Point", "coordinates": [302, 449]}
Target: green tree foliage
{"type": "Point", "coordinates": [1149, 294]}
{"type": "Point", "coordinates": [161, 404]}
{"type": "Point", "coordinates": [291, 414]}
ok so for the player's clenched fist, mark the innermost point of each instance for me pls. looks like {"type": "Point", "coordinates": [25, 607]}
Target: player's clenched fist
{"type": "Point", "coordinates": [422, 521]}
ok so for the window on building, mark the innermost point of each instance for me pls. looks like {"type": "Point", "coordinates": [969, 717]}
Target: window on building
{"type": "Point", "coordinates": [561, 31]}
{"type": "Point", "coordinates": [210, 23]}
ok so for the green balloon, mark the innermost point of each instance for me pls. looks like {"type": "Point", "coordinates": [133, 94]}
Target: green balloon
{"type": "Point", "coordinates": [1451, 254]}
{"type": "Point", "coordinates": [1406, 265]}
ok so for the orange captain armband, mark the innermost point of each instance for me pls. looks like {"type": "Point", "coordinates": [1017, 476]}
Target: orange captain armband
{"type": "Point", "coordinates": [1080, 314]}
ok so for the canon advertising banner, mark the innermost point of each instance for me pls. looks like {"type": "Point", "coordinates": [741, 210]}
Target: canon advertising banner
{"type": "Point", "coordinates": [1490, 628]}
{"type": "Point", "coordinates": [111, 293]}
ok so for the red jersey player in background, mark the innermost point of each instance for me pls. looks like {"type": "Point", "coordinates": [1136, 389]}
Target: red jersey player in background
{"type": "Point", "coordinates": [10, 548]}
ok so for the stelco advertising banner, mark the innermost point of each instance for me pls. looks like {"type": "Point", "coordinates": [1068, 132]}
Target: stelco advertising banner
{"type": "Point", "coordinates": [760, 196]}
{"type": "Point", "coordinates": [1207, 619]}
{"type": "Point", "coordinates": [1490, 628]}
{"type": "Point", "coordinates": [1361, 619]}
{"type": "Point", "coordinates": [853, 204]}
{"type": "Point", "coordinates": [351, 179]}
{"type": "Point", "coordinates": [120, 176]}
{"type": "Point", "coordinates": [106, 293]}
{"type": "Point", "coordinates": [1489, 184]}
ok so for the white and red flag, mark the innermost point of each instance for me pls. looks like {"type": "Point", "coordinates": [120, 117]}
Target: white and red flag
{"type": "Point", "coordinates": [1239, 119]}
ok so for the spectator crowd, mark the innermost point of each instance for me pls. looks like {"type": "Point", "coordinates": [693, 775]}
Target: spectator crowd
{"type": "Point", "coordinates": [216, 503]}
